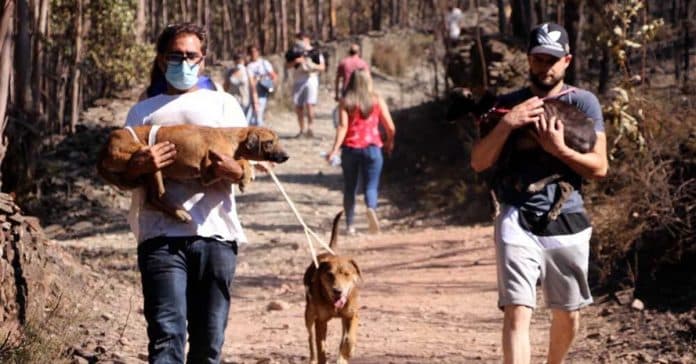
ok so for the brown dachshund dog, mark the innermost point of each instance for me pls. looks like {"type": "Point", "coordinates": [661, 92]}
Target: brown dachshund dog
{"type": "Point", "coordinates": [332, 291]}
{"type": "Point", "coordinates": [193, 159]}
{"type": "Point", "coordinates": [579, 135]}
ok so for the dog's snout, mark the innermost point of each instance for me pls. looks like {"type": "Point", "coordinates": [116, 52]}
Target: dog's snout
{"type": "Point", "coordinates": [337, 292]}
{"type": "Point", "coordinates": [280, 157]}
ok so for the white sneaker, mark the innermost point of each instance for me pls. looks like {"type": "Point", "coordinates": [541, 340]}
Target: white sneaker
{"type": "Point", "coordinates": [372, 221]}
{"type": "Point", "coordinates": [350, 230]}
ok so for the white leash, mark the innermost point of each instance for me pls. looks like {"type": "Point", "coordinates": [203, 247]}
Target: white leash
{"type": "Point", "coordinates": [308, 232]}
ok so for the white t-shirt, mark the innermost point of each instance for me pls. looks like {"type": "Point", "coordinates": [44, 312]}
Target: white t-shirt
{"type": "Point", "coordinates": [212, 208]}
{"type": "Point", "coordinates": [453, 20]}
{"type": "Point", "coordinates": [260, 68]}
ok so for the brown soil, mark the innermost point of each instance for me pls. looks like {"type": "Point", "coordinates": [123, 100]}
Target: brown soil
{"type": "Point", "coordinates": [429, 291]}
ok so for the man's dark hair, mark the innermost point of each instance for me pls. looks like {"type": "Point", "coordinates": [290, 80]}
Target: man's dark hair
{"type": "Point", "coordinates": [168, 34]}
{"type": "Point", "coordinates": [172, 31]}
{"type": "Point", "coordinates": [251, 47]}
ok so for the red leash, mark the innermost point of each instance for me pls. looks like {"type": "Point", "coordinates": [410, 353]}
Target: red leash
{"type": "Point", "coordinates": [501, 110]}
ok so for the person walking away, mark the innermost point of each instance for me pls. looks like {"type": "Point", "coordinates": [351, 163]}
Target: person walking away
{"type": "Point", "coordinates": [264, 78]}
{"type": "Point", "coordinates": [359, 141]}
{"type": "Point", "coordinates": [345, 68]}
{"type": "Point", "coordinates": [186, 268]}
{"type": "Point", "coordinates": [306, 68]}
{"type": "Point", "coordinates": [529, 247]}
{"type": "Point", "coordinates": [237, 83]}
{"type": "Point", "coordinates": [453, 21]}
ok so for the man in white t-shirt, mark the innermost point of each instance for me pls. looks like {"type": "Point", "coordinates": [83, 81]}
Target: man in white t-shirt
{"type": "Point", "coordinates": [186, 268]}
{"type": "Point", "coordinates": [305, 89]}
{"type": "Point", "coordinates": [262, 75]}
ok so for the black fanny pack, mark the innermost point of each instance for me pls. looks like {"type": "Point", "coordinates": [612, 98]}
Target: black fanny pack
{"type": "Point", "coordinates": [565, 224]}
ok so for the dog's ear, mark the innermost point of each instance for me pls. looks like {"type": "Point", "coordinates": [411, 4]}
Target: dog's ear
{"type": "Point", "coordinates": [357, 269]}
{"type": "Point", "coordinates": [324, 266]}
{"type": "Point", "coordinates": [252, 140]}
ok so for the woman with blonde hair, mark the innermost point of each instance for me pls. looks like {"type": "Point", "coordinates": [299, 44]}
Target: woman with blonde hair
{"type": "Point", "coordinates": [359, 141]}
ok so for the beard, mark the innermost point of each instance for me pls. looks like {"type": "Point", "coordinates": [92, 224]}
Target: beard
{"type": "Point", "coordinates": [545, 85]}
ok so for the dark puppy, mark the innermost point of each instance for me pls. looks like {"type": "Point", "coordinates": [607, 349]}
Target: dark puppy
{"type": "Point", "coordinates": [579, 135]}
{"type": "Point", "coordinates": [193, 160]}
{"type": "Point", "coordinates": [331, 291]}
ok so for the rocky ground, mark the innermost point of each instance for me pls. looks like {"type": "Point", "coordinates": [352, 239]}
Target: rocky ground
{"type": "Point", "coordinates": [429, 289]}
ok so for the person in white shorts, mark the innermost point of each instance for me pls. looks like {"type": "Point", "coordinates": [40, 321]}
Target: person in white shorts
{"type": "Point", "coordinates": [530, 247]}
{"type": "Point", "coordinates": [305, 89]}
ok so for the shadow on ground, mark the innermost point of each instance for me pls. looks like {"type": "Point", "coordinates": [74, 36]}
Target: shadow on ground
{"type": "Point", "coordinates": [428, 176]}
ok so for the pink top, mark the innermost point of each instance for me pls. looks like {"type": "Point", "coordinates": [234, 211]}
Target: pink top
{"type": "Point", "coordinates": [348, 65]}
{"type": "Point", "coordinates": [363, 132]}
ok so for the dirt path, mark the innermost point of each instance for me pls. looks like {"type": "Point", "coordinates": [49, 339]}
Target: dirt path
{"type": "Point", "coordinates": [428, 295]}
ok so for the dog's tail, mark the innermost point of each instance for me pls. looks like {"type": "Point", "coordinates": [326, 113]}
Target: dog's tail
{"type": "Point", "coordinates": [334, 230]}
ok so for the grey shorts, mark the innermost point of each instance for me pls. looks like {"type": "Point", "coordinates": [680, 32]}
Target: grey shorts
{"type": "Point", "coordinates": [306, 93]}
{"type": "Point", "coordinates": [559, 262]}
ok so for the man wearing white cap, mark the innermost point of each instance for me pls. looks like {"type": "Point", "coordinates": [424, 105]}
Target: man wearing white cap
{"type": "Point", "coordinates": [529, 246]}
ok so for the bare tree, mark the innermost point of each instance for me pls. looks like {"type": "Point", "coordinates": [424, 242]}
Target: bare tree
{"type": "Point", "coordinates": [37, 75]}
{"type": "Point", "coordinates": [523, 18]}
{"type": "Point", "coordinates": [318, 21]}
{"type": "Point", "coordinates": [22, 59]}
{"type": "Point", "coordinates": [140, 25]}
{"type": "Point", "coordinates": [283, 24]}
{"type": "Point", "coordinates": [377, 7]}
{"type": "Point", "coordinates": [574, 21]}
{"type": "Point", "coordinates": [76, 82]}
{"type": "Point", "coordinates": [686, 19]}
{"type": "Point", "coordinates": [5, 71]}
{"type": "Point", "coordinates": [332, 19]}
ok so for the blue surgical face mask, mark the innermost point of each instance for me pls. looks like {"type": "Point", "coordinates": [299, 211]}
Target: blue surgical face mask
{"type": "Point", "coordinates": [182, 76]}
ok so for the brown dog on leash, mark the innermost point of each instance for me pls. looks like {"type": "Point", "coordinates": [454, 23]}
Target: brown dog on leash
{"type": "Point", "coordinates": [193, 159]}
{"type": "Point", "coordinates": [332, 291]}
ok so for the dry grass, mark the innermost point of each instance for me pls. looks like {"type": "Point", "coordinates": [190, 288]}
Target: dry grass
{"type": "Point", "coordinates": [644, 211]}
{"type": "Point", "coordinates": [44, 338]}
{"type": "Point", "coordinates": [395, 56]}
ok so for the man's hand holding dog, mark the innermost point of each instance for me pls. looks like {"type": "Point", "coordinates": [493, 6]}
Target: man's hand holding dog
{"type": "Point", "coordinates": [226, 167]}
{"type": "Point", "coordinates": [524, 113]}
{"type": "Point", "coordinates": [549, 134]}
{"type": "Point", "coordinates": [150, 159]}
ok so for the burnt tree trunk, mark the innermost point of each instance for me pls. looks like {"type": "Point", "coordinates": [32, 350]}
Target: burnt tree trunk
{"type": "Point", "coordinates": [318, 20]}
{"type": "Point", "coordinates": [574, 22]}
{"type": "Point", "coordinates": [283, 7]}
{"type": "Point", "coordinates": [140, 23]}
{"type": "Point", "coordinates": [377, 7]}
{"type": "Point", "coordinates": [76, 73]}
{"type": "Point", "coordinates": [5, 72]}
{"type": "Point", "coordinates": [332, 19]}
{"type": "Point", "coordinates": [37, 76]}
{"type": "Point", "coordinates": [22, 75]}
{"type": "Point", "coordinates": [604, 71]}
{"type": "Point", "coordinates": [686, 20]}
{"type": "Point", "coordinates": [523, 18]}
{"type": "Point", "coordinates": [502, 22]}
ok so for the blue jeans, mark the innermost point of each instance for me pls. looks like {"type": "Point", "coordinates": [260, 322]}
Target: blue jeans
{"type": "Point", "coordinates": [365, 163]}
{"type": "Point", "coordinates": [186, 279]}
{"type": "Point", "coordinates": [256, 118]}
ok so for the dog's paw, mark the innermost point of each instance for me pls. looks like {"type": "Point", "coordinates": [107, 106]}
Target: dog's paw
{"type": "Point", "coordinates": [248, 175]}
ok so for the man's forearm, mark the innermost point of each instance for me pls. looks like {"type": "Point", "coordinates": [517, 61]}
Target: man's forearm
{"type": "Point", "coordinates": [487, 150]}
{"type": "Point", "coordinates": [590, 165]}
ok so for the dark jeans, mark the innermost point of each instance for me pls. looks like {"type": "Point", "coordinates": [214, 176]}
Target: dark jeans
{"type": "Point", "coordinates": [365, 163]}
{"type": "Point", "coordinates": [186, 279]}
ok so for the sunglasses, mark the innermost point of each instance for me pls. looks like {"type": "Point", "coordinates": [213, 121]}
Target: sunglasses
{"type": "Point", "coordinates": [179, 57]}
